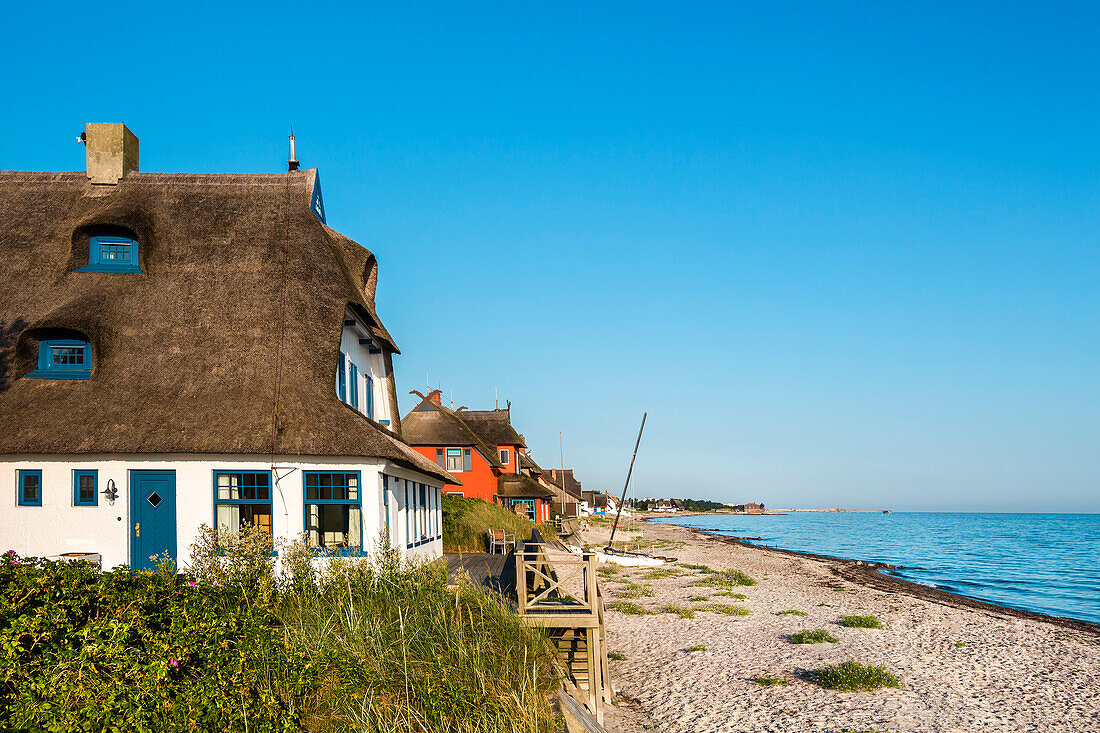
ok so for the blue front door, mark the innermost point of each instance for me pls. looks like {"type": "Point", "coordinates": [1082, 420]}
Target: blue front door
{"type": "Point", "coordinates": [152, 517]}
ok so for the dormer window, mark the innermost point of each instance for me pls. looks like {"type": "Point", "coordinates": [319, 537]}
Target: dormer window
{"type": "Point", "coordinates": [63, 359]}
{"type": "Point", "coordinates": [112, 253]}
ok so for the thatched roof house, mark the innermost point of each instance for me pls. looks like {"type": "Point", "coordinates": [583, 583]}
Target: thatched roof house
{"type": "Point", "coordinates": [224, 334]}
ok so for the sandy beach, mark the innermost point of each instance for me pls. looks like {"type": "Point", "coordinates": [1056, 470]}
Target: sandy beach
{"type": "Point", "coordinates": [962, 666]}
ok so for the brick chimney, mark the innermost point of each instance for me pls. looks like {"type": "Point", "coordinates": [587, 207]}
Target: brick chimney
{"type": "Point", "coordinates": [112, 152]}
{"type": "Point", "coordinates": [436, 396]}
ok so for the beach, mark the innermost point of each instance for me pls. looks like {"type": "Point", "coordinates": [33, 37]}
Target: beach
{"type": "Point", "coordinates": [962, 665]}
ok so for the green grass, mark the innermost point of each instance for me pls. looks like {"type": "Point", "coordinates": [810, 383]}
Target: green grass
{"type": "Point", "coordinates": [815, 636]}
{"type": "Point", "coordinates": [635, 590]}
{"type": "Point", "coordinates": [861, 622]}
{"type": "Point", "coordinates": [960, 644]}
{"type": "Point", "coordinates": [681, 611]}
{"type": "Point", "coordinates": [851, 676]}
{"type": "Point", "coordinates": [792, 612]}
{"type": "Point", "coordinates": [767, 681]}
{"type": "Point", "coordinates": [726, 579]}
{"type": "Point", "coordinates": [732, 594]}
{"type": "Point", "coordinates": [616, 656]}
{"type": "Point", "coordinates": [630, 609]}
{"type": "Point", "coordinates": [697, 648]}
{"type": "Point", "coordinates": [608, 569]}
{"type": "Point", "coordinates": [663, 573]}
{"type": "Point", "coordinates": [702, 568]}
{"type": "Point", "coordinates": [726, 609]}
{"type": "Point", "coordinates": [466, 522]}
{"type": "Point", "coordinates": [699, 599]}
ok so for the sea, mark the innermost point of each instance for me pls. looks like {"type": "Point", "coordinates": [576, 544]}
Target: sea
{"type": "Point", "coordinates": [1047, 563]}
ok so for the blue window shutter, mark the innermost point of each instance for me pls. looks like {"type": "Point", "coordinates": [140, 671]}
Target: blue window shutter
{"type": "Point", "coordinates": [353, 385]}
{"type": "Point", "coordinates": [370, 397]}
{"type": "Point", "coordinates": [467, 460]}
{"type": "Point", "coordinates": [439, 456]}
{"type": "Point", "coordinates": [341, 379]}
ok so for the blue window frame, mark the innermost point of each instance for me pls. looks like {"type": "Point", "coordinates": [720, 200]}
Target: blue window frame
{"type": "Point", "coordinates": [241, 499]}
{"type": "Point", "coordinates": [341, 378]}
{"type": "Point", "coordinates": [30, 488]}
{"type": "Point", "coordinates": [334, 510]}
{"type": "Point", "coordinates": [353, 385]}
{"type": "Point", "coordinates": [85, 485]}
{"type": "Point", "coordinates": [63, 359]}
{"type": "Point", "coordinates": [111, 253]}
{"type": "Point", "coordinates": [370, 395]}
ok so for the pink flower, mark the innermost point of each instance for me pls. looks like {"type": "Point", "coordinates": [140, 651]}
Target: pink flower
{"type": "Point", "coordinates": [173, 663]}
{"type": "Point", "coordinates": [192, 584]}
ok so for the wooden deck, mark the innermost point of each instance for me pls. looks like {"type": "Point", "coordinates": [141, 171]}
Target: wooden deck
{"type": "Point", "coordinates": [492, 571]}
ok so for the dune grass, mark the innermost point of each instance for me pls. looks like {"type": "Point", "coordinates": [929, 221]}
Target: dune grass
{"type": "Point", "coordinates": [791, 612]}
{"type": "Point", "coordinates": [701, 568]}
{"type": "Point", "coordinates": [635, 590]}
{"type": "Point", "coordinates": [681, 611]}
{"type": "Point", "coordinates": [851, 676]}
{"type": "Point", "coordinates": [668, 572]}
{"type": "Point", "coordinates": [466, 522]}
{"type": "Point", "coordinates": [815, 636]}
{"type": "Point", "coordinates": [725, 609]}
{"type": "Point", "coordinates": [861, 622]}
{"type": "Point", "coordinates": [731, 594]}
{"type": "Point", "coordinates": [699, 599]}
{"type": "Point", "coordinates": [768, 681]}
{"type": "Point", "coordinates": [726, 579]}
{"type": "Point", "coordinates": [616, 656]}
{"type": "Point", "coordinates": [630, 609]}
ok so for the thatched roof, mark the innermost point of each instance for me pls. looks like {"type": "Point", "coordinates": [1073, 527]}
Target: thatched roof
{"type": "Point", "coordinates": [239, 307]}
{"type": "Point", "coordinates": [432, 424]}
{"type": "Point", "coordinates": [520, 486]}
{"type": "Point", "coordinates": [564, 479]}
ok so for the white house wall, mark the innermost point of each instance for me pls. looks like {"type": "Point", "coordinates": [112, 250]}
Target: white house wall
{"type": "Point", "coordinates": [59, 527]}
{"type": "Point", "coordinates": [366, 363]}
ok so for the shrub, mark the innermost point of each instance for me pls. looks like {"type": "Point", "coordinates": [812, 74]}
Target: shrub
{"type": "Point", "coordinates": [852, 676]}
{"type": "Point", "coordinates": [727, 579]}
{"type": "Point", "coordinates": [861, 622]}
{"type": "Point", "coordinates": [792, 612]}
{"type": "Point", "coordinates": [766, 681]}
{"type": "Point", "coordinates": [816, 636]}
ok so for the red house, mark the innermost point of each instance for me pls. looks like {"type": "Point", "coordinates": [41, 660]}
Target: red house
{"type": "Point", "coordinates": [481, 449]}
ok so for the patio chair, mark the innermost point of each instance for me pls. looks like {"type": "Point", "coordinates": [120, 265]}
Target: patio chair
{"type": "Point", "coordinates": [499, 538]}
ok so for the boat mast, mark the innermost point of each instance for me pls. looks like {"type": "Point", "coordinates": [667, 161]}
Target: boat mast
{"type": "Point", "coordinates": [627, 485]}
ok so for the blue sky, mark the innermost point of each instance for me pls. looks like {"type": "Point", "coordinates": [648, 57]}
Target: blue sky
{"type": "Point", "coordinates": [844, 254]}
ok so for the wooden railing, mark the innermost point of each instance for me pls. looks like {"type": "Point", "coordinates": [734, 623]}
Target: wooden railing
{"type": "Point", "coordinates": [545, 592]}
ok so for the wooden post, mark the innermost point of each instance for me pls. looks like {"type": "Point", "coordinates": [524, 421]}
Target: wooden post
{"type": "Point", "coordinates": [521, 582]}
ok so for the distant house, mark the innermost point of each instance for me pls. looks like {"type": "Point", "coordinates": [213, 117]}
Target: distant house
{"type": "Point", "coordinates": [665, 505]}
{"type": "Point", "coordinates": [754, 508]}
{"type": "Point", "coordinates": [180, 349]}
{"type": "Point", "coordinates": [480, 448]}
{"type": "Point", "coordinates": [568, 497]}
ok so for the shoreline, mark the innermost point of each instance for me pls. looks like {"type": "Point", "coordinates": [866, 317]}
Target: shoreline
{"type": "Point", "coordinates": [868, 573]}
{"type": "Point", "coordinates": [688, 653]}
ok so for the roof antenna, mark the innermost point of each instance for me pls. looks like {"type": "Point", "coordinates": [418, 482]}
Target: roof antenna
{"type": "Point", "coordinates": [496, 399]}
{"type": "Point", "coordinates": [292, 163]}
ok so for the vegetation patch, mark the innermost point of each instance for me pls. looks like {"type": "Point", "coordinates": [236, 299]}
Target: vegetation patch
{"type": "Point", "coordinates": [699, 599]}
{"type": "Point", "coordinates": [861, 622]}
{"type": "Point", "coordinates": [378, 646]}
{"type": "Point", "coordinates": [766, 681]}
{"type": "Point", "coordinates": [697, 648]}
{"type": "Point", "coordinates": [630, 609]}
{"type": "Point", "coordinates": [816, 636]}
{"type": "Point", "coordinates": [851, 676]}
{"type": "Point", "coordinates": [726, 609]}
{"type": "Point", "coordinates": [466, 523]}
{"type": "Point", "coordinates": [669, 572]}
{"type": "Point", "coordinates": [608, 569]}
{"type": "Point", "coordinates": [681, 611]}
{"type": "Point", "coordinates": [727, 579]}
{"type": "Point", "coordinates": [634, 590]}
{"type": "Point", "coordinates": [732, 594]}
{"type": "Point", "coordinates": [792, 612]}
{"type": "Point", "coordinates": [702, 568]}
{"type": "Point", "coordinates": [616, 656]}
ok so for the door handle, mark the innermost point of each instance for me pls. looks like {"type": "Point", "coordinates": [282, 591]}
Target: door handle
{"type": "Point", "coordinates": [137, 529]}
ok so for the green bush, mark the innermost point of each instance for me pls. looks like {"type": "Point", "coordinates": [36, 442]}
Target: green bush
{"type": "Point", "coordinates": [861, 622]}
{"type": "Point", "coordinates": [369, 646]}
{"type": "Point", "coordinates": [852, 676]}
{"type": "Point", "coordinates": [817, 636]}
{"type": "Point", "coordinates": [466, 522]}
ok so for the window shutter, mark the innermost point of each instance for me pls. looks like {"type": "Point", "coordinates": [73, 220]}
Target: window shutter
{"type": "Point", "coordinates": [353, 385]}
{"type": "Point", "coordinates": [370, 396]}
{"type": "Point", "coordinates": [341, 379]}
{"type": "Point", "coordinates": [439, 456]}
{"type": "Point", "coordinates": [467, 460]}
